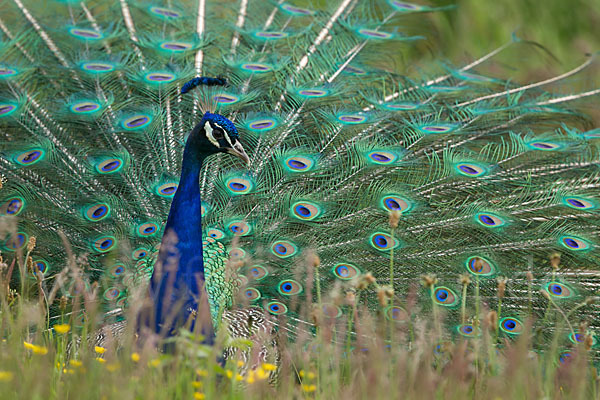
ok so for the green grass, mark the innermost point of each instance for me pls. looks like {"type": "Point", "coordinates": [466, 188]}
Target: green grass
{"type": "Point", "coordinates": [412, 358]}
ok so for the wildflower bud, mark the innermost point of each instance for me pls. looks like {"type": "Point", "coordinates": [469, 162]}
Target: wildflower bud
{"type": "Point", "coordinates": [30, 264]}
{"type": "Point", "coordinates": [313, 259]}
{"type": "Point", "coordinates": [31, 243]}
{"type": "Point", "coordinates": [62, 303]}
{"type": "Point", "coordinates": [545, 294]}
{"type": "Point", "coordinates": [370, 278]}
{"type": "Point", "coordinates": [529, 276]}
{"type": "Point", "coordinates": [589, 301]}
{"type": "Point", "coordinates": [491, 320]}
{"type": "Point", "coordinates": [384, 294]}
{"type": "Point", "coordinates": [315, 315]}
{"type": "Point", "coordinates": [394, 218]}
{"type": "Point", "coordinates": [501, 287]}
{"type": "Point", "coordinates": [465, 280]}
{"type": "Point", "coordinates": [350, 298]}
{"type": "Point", "coordinates": [588, 342]}
{"type": "Point", "coordinates": [429, 280]}
{"type": "Point", "coordinates": [555, 260]}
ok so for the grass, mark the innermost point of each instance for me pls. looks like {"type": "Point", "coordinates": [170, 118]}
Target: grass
{"type": "Point", "coordinates": [422, 361]}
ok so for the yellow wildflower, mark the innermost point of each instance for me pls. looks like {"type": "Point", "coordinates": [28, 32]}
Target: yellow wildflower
{"type": "Point", "coordinates": [154, 363]}
{"type": "Point", "coordinates": [269, 367]}
{"type": "Point", "coordinates": [100, 360]}
{"type": "Point", "coordinates": [135, 357]}
{"type": "Point", "coordinates": [250, 379]}
{"type": "Point", "coordinates": [6, 376]}
{"type": "Point", "coordinates": [301, 373]}
{"type": "Point", "coordinates": [199, 396]}
{"type": "Point", "coordinates": [197, 384]}
{"type": "Point", "coordinates": [62, 328]}
{"type": "Point", "coordinates": [99, 350]}
{"type": "Point", "coordinates": [310, 375]}
{"type": "Point", "coordinates": [309, 388]}
{"type": "Point", "coordinates": [75, 363]}
{"type": "Point", "coordinates": [240, 363]}
{"type": "Point", "coordinates": [36, 349]}
{"type": "Point", "coordinates": [229, 374]}
{"type": "Point", "coordinates": [202, 372]}
{"type": "Point", "coordinates": [261, 374]}
{"type": "Point", "coordinates": [239, 377]}
{"type": "Point", "coordinates": [112, 367]}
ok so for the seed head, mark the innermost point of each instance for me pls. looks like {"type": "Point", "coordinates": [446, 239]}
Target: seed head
{"type": "Point", "coordinates": [501, 287]}
{"type": "Point", "coordinates": [465, 280]}
{"type": "Point", "coordinates": [429, 280]}
{"type": "Point", "coordinates": [31, 243]}
{"type": "Point", "coordinates": [394, 218]}
{"type": "Point", "coordinates": [555, 260]}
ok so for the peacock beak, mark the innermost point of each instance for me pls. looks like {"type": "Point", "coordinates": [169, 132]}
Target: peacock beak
{"type": "Point", "coordinates": [238, 150]}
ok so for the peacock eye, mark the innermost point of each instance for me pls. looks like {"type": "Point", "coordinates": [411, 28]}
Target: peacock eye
{"type": "Point", "coordinates": [218, 133]}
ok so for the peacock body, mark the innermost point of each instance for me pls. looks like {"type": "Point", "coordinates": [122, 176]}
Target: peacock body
{"type": "Point", "coordinates": [482, 178]}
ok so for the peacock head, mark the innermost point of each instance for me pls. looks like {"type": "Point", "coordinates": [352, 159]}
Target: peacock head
{"type": "Point", "coordinates": [221, 136]}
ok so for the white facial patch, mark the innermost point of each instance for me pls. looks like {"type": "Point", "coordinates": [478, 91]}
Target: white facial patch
{"type": "Point", "coordinates": [226, 135]}
{"type": "Point", "coordinates": [209, 134]}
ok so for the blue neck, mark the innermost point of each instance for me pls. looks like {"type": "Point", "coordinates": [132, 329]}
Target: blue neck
{"type": "Point", "coordinates": [177, 286]}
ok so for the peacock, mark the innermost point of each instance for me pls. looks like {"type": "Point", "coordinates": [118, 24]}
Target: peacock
{"type": "Point", "coordinates": [239, 160]}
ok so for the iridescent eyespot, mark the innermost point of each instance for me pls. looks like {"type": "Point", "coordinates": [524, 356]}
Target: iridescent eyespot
{"type": "Point", "coordinates": [354, 70]}
{"type": "Point", "coordinates": [112, 293]}
{"type": "Point", "coordinates": [313, 92]}
{"type": "Point", "coordinates": [237, 254]}
{"type": "Point", "coordinates": [381, 157]}
{"type": "Point", "coordinates": [579, 203]}
{"type": "Point", "coordinates": [252, 294]}
{"type": "Point", "coordinates": [239, 228]}
{"type": "Point", "coordinates": [283, 248]}
{"type": "Point", "coordinates": [136, 122]}
{"type": "Point", "coordinates": [85, 107]}
{"type": "Point", "coordinates": [97, 212]}
{"type": "Point", "coordinates": [239, 185]}
{"type": "Point", "coordinates": [395, 313]}
{"type": "Point", "coordinates": [489, 220]}
{"type": "Point", "coordinates": [298, 164]}
{"type": "Point", "coordinates": [16, 241]}
{"type": "Point", "coordinates": [7, 109]}
{"type": "Point", "coordinates": [470, 169]}
{"type": "Point", "coordinates": [30, 157]}
{"type": "Point", "coordinates": [121, 302]}
{"type": "Point", "coordinates": [270, 35]}
{"type": "Point", "coordinates": [468, 330]}
{"type": "Point", "coordinates": [97, 67]}
{"type": "Point", "coordinates": [511, 326]}
{"type": "Point", "coordinates": [295, 10]}
{"type": "Point", "coordinates": [166, 189]}
{"type": "Point", "coordinates": [146, 229]}
{"type": "Point", "coordinates": [305, 210]}
{"type": "Point", "coordinates": [139, 253]}
{"type": "Point", "coordinates": [401, 106]}
{"type": "Point", "coordinates": [225, 98]}
{"type": "Point", "coordinates": [117, 270]}
{"type": "Point", "coordinates": [85, 34]}
{"type": "Point", "coordinates": [165, 12]}
{"type": "Point", "coordinates": [578, 337]}
{"type": "Point", "coordinates": [544, 146]}
{"type": "Point", "coordinates": [445, 296]}
{"type": "Point", "coordinates": [215, 233]}
{"type": "Point", "coordinates": [176, 47]}
{"type": "Point", "coordinates": [345, 271]}
{"type": "Point", "coordinates": [277, 308]}
{"type": "Point", "coordinates": [351, 119]}
{"type": "Point", "coordinates": [262, 125]}
{"type": "Point", "coordinates": [12, 206]}
{"type": "Point", "coordinates": [6, 72]}
{"type": "Point", "coordinates": [331, 310]}
{"type": "Point", "coordinates": [430, 129]}
{"type": "Point", "coordinates": [159, 77]}
{"type": "Point", "coordinates": [574, 243]}
{"type": "Point", "coordinates": [256, 67]}
{"type": "Point", "coordinates": [479, 266]}
{"type": "Point", "coordinates": [104, 244]}
{"type": "Point", "coordinates": [109, 166]}
{"type": "Point", "coordinates": [565, 357]}
{"type": "Point", "coordinates": [289, 287]}
{"type": "Point", "coordinates": [383, 242]}
{"type": "Point", "coordinates": [373, 34]}
{"type": "Point", "coordinates": [41, 266]}
{"type": "Point", "coordinates": [257, 272]}
{"type": "Point", "coordinates": [559, 290]}
{"type": "Point", "coordinates": [393, 202]}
